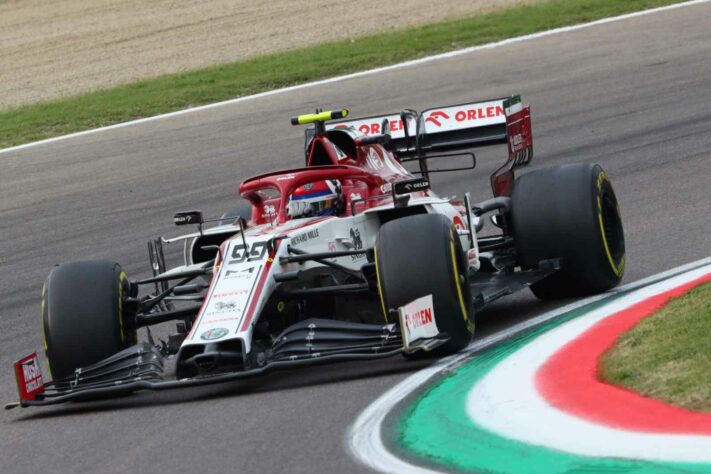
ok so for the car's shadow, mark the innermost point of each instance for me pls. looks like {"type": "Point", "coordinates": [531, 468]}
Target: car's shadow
{"type": "Point", "coordinates": [493, 319]}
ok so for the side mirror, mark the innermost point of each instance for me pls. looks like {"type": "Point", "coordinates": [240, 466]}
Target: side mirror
{"type": "Point", "coordinates": [188, 217]}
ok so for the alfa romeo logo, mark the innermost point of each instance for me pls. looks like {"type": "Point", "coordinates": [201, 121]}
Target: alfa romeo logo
{"type": "Point", "coordinates": [212, 334]}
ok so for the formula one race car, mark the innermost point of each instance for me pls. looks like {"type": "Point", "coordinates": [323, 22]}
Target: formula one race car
{"type": "Point", "coordinates": [351, 257]}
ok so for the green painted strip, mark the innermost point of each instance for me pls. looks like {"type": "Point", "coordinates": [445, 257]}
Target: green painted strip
{"type": "Point", "coordinates": [435, 428]}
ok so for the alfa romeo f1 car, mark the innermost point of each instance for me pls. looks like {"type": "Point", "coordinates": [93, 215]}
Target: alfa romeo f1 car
{"type": "Point", "coordinates": [351, 257]}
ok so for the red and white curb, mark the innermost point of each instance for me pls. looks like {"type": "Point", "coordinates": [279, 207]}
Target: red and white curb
{"type": "Point", "coordinates": [547, 393]}
{"type": "Point", "coordinates": [364, 438]}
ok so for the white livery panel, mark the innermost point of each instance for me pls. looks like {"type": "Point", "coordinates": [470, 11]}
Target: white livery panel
{"type": "Point", "coordinates": [441, 119]}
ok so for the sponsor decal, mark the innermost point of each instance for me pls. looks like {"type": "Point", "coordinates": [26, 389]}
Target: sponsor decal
{"type": "Point", "coordinates": [301, 238]}
{"type": "Point", "coordinates": [453, 118]}
{"type": "Point", "coordinates": [518, 129]}
{"type": "Point", "coordinates": [224, 320]}
{"type": "Point", "coordinates": [286, 177]}
{"type": "Point", "coordinates": [372, 126]}
{"type": "Point", "coordinates": [422, 317]}
{"type": "Point", "coordinates": [332, 246]}
{"type": "Point", "coordinates": [225, 306]}
{"type": "Point", "coordinates": [517, 140]}
{"type": "Point", "coordinates": [308, 186]}
{"type": "Point", "coordinates": [411, 185]}
{"type": "Point", "coordinates": [221, 308]}
{"type": "Point", "coordinates": [245, 273]}
{"type": "Point", "coordinates": [357, 244]}
{"type": "Point", "coordinates": [269, 211]}
{"type": "Point", "coordinates": [435, 116]}
{"type": "Point", "coordinates": [29, 377]}
{"type": "Point", "coordinates": [442, 119]}
{"type": "Point", "coordinates": [355, 238]}
{"type": "Point", "coordinates": [212, 334]}
{"type": "Point", "coordinates": [187, 217]}
{"type": "Point", "coordinates": [417, 320]}
{"type": "Point", "coordinates": [479, 114]}
{"type": "Point", "coordinates": [230, 293]}
{"type": "Point", "coordinates": [373, 160]}
{"type": "Point", "coordinates": [458, 223]}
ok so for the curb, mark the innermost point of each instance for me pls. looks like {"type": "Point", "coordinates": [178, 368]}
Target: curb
{"type": "Point", "coordinates": [365, 436]}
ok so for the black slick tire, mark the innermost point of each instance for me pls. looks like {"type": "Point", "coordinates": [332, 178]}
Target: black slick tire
{"type": "Point", "coordinates": [82, 315]}
{"type": "Point", "coordinates": [421, 255]}
{"type": "Point", "coordinates": [569, 212]}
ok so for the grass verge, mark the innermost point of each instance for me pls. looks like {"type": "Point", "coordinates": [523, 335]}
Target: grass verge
{"type": "Point", "coordinates": [668, 355]}
{"type": "Point", "coordinates": [178, 91]}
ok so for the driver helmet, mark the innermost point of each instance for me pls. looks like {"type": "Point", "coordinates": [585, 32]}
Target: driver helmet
{"type": "Point", "coordinates": [320, 198]}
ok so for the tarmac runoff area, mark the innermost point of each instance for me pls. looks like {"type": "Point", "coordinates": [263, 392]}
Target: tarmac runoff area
{"type": "Point", "coordinates": [534, 404]}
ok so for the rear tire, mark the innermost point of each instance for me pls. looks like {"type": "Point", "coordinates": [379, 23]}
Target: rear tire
{"type": "Point", "coordinates": [421, 255]}
{"type": "Point", "coordinates": [569, 212]}
{"type": "Point", "coordinates": [82, 315]}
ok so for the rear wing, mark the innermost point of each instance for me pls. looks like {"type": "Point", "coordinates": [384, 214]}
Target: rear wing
{"type": "Point", "coordinates": [457, 127]}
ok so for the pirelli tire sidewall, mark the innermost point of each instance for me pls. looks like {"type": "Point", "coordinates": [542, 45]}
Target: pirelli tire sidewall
{"type": "Point", "coordinates": [83, 315]}
{"type": "Point", "coordinates": [421, 255]}
{"type": "Point", "coordinates": [569, 212]}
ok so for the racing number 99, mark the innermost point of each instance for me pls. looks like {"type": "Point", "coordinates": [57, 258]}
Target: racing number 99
{"type": "Point", "coordinates": [240, 252]}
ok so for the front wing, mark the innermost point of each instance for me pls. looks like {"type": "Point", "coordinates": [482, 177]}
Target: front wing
{"type": "Point", "coordinates": [141, 367]}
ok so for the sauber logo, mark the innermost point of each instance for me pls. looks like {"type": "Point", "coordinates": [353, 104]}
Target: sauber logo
{"type": "Point", "coordinates": [435, 116]}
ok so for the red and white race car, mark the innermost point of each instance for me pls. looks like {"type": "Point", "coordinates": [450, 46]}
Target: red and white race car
{"type": "Point", "coordinates": [350, 257]}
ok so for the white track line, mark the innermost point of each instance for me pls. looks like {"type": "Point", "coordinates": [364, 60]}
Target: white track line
{"type": "Point", "coordinates": [369, 72]}
{"type": "Point", "coordinates": [506, 402]}
{"type": "Point", "coordinates": [363, 438]}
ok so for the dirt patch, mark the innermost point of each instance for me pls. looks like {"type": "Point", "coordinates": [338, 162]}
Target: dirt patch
{"type": "Point", "coordinates": [51, 49]}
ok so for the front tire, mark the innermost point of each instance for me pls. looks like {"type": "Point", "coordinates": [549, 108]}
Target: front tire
{"type": "Point", "coordinates": [421, 255]}
{"type": "Point", "coordinates": [569, 212]}
{"type": "Point", "coordinates": [83, 315]}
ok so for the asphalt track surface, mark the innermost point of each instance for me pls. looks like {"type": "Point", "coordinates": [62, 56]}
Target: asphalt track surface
{"type": "Point", "coordinates": [631, 95]}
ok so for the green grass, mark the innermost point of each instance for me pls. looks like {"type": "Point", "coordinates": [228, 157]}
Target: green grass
{"type": "Point", "coordinates": [178, 91]}
{"type": "Point", "coordinates": [668, 355]}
